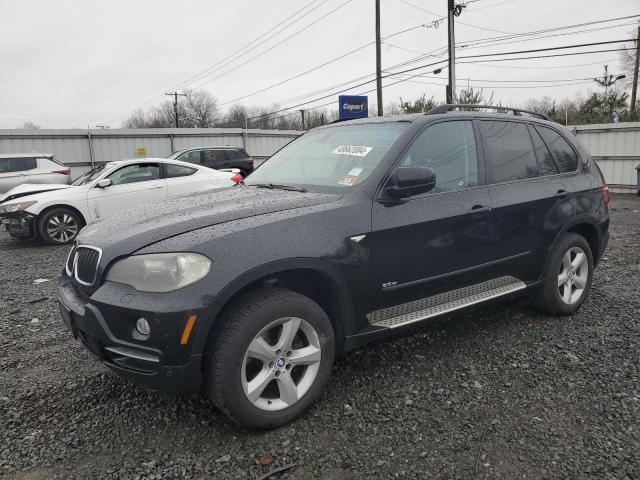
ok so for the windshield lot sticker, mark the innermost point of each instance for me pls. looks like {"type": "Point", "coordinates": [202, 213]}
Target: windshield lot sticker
{"type": "Point", "coordinates": [355, 150]}
{"type": "Point", "coordinates": [355, 172]}
{"type": "Point", "coordinates": [348, 180]}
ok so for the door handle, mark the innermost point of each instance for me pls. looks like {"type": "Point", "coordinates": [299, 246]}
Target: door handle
{"type": "Point", "coordinates": [477, 209]}
{"type": "Point", "coordinates": [155, 188]}
{"type": "Point", "coordinates": [562, 194]}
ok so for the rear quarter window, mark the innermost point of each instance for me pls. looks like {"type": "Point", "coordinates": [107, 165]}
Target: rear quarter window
{"type": "Point", "coordinates": [565, 155]}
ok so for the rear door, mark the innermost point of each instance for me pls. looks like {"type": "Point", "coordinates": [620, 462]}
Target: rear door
{"type": "Point", "coordinates": [434, 242]}
{"type": "Point", "coordinates": [13, 172]}
{"type": "Point", "coordinates": [526, 195]}
{"type": "Point", "coordinates": [130, 185]}
{"type": "Point", "coordinates": [213, 158]}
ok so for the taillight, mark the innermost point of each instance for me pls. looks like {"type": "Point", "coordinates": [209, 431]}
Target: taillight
{"type": "Point", "coordinates": [63, 172]}
{"type": "Point", "coordinates": [248, 161]}
{"type": "Point", "coordinates": [605, 193]}
{"type": "Point", "coordinates": [237, 178]}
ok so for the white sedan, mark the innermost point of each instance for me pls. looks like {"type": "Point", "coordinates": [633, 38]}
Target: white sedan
{"type": "Point", "coordinates": [56, 213]}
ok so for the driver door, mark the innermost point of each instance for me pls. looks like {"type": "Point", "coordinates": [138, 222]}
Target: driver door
{"type": "Point", "coordinates": [130, 185]}
{"type": "Point", "coordinates": [433, 242]}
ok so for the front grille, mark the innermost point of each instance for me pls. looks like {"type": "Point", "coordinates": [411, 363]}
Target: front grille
{"type": "Point", "coordinates": [70, 260]}
{"type": "Point", "coordinates": [86, 264]}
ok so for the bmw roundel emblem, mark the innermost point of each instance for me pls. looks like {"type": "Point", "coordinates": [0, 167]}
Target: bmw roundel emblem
{"type": "Point", "coordinates": [280, 362]}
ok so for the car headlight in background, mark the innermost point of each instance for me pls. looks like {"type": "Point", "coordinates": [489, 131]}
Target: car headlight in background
{"type": "Point", "coordinates": [160, 272]}
{"type": "Point", "coordinates": [15, 207]}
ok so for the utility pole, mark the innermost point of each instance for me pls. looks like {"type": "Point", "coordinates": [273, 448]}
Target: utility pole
{"type": "Point", "coordinates": [378, 60]}
{"type": "Point", "coordinates": [634, 86]}
{"type": "Point", "coordinates": [451, 87]}
{"type": "Point", "coordinates": [175, 96]}
{"type": "Point", "coordinates": [302, 114]}
{"type": "Point", "coordinates": [453, 11]}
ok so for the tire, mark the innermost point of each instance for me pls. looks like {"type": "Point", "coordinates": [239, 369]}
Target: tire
{"type": "Point", "coordinates": [565, 286]}
{"type": "Point", "coordinates": [230, 367]}
{"type": "Point", "coordinates": [68, 225]}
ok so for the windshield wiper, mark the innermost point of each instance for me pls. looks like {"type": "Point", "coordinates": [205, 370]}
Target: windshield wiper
{"type": "Point", "coordinates": [276, 186]}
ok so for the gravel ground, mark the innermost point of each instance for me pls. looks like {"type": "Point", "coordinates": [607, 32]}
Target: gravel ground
{"type": "Point", "coordinates": [500, 392]}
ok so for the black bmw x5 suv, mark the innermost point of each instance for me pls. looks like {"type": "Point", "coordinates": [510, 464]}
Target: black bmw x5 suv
{"type": "Point", "coordinates": [346, 234]}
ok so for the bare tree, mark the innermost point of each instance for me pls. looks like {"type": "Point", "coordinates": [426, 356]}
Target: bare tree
{"type": "Point", "coordinates": [29, 126]}
{"type": "Point", "coordinates": [199, 109]}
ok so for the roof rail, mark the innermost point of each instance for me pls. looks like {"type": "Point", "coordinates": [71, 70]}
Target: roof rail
{"type": "Point", "coordinates": [452, 106]}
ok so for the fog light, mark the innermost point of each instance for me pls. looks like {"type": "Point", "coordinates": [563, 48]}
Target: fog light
{"type": "Point", "coordinates": [143, 327]}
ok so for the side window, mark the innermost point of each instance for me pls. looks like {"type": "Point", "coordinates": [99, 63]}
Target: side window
{"type": "Point", "coordinates": [449, 149]}
{"type": "Point", "coordinates": [174, 171]}
{"type": "Point", "coordinates": [560, 148]}
{"type": "Point", "coordinates": [191, 157]}
{"type": "Point", "coordinates": [509, 152]}
{"type": "Point", "coordinates": [8, 165]}
{"type": "Point", "coordinates": [139, 172]}
{"type": "Point", "coordinates": [28, 163]}
{"type": "Point", "coordinates": [546, 165]}
{"type": "Point", "coordinates": [210, 157]}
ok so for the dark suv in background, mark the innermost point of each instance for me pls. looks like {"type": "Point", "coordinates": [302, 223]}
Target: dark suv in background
{"type": "Point", "coordinates": [217, 158]}
{"type": "Point", "coordinates": [345, 235]}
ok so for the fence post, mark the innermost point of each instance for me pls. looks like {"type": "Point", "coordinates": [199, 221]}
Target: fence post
{"type": "Point", "coordinates": [173, 147]}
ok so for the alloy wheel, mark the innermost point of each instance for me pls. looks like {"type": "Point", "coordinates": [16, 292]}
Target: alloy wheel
{"type": "Point", "coordinates": [573, 276]}
{"type": "Point", "coordinates": [281, 363]}
{"type": "Point", "coordinates": [62, 227]}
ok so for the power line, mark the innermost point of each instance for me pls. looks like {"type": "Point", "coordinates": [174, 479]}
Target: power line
{"type": "Point", "coordinates": [233, 54]}
{"type": "Point", "coordinates": [244, 47]}
{"type": "Point", "coordinates": [462, 23]}
{"type": "Point", "coordinates": [430, 65]}
{"type": "Point", "coordinates": [276, 45]}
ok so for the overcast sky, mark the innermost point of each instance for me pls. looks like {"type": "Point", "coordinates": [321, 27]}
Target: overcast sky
{"type": "Point", "coordinates": [73, 63]}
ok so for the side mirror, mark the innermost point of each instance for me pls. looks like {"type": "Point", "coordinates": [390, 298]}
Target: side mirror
{"type": "Point", "coordinates": [104, 183]}
{"type": "Point", "coordinates": [407, 181]}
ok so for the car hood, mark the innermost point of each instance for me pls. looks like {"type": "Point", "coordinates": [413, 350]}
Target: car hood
{"type": "Point", "coordinates": [149, 223]}
{"type": "Point", "coordinates": [28, 189]}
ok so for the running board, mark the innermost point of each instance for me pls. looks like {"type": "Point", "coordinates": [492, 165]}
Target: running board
{"type": "Point", "coordinates": [418, 310]}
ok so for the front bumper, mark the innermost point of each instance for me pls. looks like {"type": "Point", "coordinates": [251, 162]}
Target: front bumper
{"type": "Point", "coordinates": [107, 332]}
{"type": "Point", "coordinates": [20, 224]}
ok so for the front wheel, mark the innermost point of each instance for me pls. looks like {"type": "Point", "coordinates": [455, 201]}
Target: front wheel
{"type": "Point", "coordinates": [59, 226]}
{"type": "Point", "coordinates": [272, 358]}
{"type": "Point", "coordinates": [567, 278]}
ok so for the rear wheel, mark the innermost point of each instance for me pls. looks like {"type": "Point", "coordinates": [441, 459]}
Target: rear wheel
{"type": "Point", "coordinates": [59, 226]}
{"type": "Point", "coordinates": [567, 277]}
{"type": "Point", "coordinates": [272, 358]}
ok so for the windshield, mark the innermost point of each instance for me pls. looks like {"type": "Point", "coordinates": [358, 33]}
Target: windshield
{"type": "Point", "coordinates": [88, 177]}
{"type": "Point", "coordinates": [341, 156]}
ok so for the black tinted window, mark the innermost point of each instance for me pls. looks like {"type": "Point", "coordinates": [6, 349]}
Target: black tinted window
{"type": "Point", "coordinates": [28, 163]}
{"type": "Point", "coordinates": [509, 152]}
{"type": "Point", "coordinates": [17, 164]}
{"type": "Point", "coordinates": [191, 157]}
{"type": "Point", "coordinates": [210, 157]}
{"type": "Point", "coordinates": [174, 171]}
{"type": "Point", "coordinates": [562, 151]}
{"type": "Point", "coordinates": [449, 149]}
{"type": "Point", "coordinates": [546, 165]}
{"type": "Point", "coordinates": [139, 172]}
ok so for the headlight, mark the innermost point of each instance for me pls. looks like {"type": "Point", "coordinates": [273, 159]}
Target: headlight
{"type": "Point", "coordinates": [160, 272]}
{"type": "Point", "coordinates": [14, 207]}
